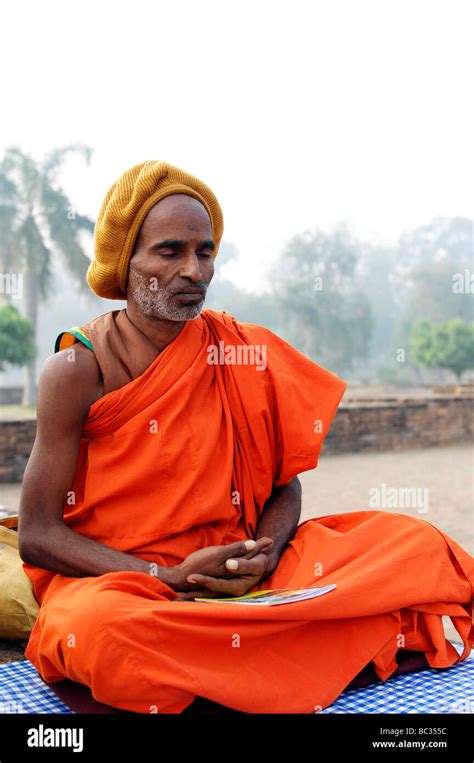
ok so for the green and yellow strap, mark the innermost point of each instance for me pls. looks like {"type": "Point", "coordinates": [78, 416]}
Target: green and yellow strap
{"type": "Point", "coordinates": [71, 336]}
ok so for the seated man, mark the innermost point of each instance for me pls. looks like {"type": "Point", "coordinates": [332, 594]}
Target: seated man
{"type": "Point", "coordinates": [165, 467]}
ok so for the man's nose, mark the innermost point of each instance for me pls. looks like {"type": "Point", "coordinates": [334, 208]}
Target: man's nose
{"type": "Point", "coordinates": [191, 268]}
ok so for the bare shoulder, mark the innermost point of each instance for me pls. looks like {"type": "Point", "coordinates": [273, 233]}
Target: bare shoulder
{"type": "Point", "coordinates": [70, 380]}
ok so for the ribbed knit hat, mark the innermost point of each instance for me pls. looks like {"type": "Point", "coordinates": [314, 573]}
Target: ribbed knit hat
{"type": "Point", "coordinates": [123, 210]}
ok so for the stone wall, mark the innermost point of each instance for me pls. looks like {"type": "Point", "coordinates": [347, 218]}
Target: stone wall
{"type": "Point", "coordinates": [396, 425]}
{"type": "Point", "coordinates": [16, 442]}
{"type": "Point", "coordinates": [11, 395]}
{"type": "Point", "coordinates": [357, 426]}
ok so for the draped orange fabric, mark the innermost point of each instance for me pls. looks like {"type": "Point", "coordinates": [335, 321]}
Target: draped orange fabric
{"type": "Point", "coordinates": [186, 455]}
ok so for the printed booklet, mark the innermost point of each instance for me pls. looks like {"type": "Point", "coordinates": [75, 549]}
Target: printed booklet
{"type": "Point", "coordinates": [273, 596]}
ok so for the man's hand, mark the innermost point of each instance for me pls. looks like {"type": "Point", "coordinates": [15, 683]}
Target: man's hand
{"type": "Point", "coordinates": [277, 524]}
{"type": "Point", "coordinates": [211, 562]}
{"type": "Point", "coordinates": [247, 571]}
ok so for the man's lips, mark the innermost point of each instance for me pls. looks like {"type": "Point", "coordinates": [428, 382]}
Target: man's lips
{"type": "Point", "coordinates": [191, 293]}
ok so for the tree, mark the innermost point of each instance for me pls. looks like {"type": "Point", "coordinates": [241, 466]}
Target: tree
{"type": "Point", "coordinates": [443, 239]}
{"type": "Point", "coordinates": [323, 305]}
{"type": "Point", "coordinates": [17, 345]}
{"type": "Point", "coordinates": [428, 259]}
{"type": "Point", "coordinates": [38, 220]}
{"type": "Point", "coordinates": [446, 345]}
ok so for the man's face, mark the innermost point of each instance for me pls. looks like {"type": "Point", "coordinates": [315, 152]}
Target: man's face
{"type": "Point", "coordinates": [172, 263]}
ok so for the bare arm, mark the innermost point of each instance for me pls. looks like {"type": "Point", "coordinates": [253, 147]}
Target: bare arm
{"type": "Point", "coordinates": [65, 393]}
{"type": "Point", "coordinates": [279, 520]}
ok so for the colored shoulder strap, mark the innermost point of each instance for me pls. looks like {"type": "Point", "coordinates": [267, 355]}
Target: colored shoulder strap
{"type": "Point", "coordinates": [71, 336]}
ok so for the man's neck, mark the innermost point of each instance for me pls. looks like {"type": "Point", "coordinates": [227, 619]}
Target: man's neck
{"type": "Point", "coordinates": [159, 331]}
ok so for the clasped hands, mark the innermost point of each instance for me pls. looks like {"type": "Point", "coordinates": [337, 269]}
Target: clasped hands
{"type": "Point", "coordinates": [231, 569]}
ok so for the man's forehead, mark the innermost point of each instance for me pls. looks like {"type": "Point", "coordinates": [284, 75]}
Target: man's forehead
{"type": "Point", "coordinates": [177, 202]}
{"type": "Point", "coordinates": [176, 219]}
{"type": "Point", "coordinates": [173, 211]}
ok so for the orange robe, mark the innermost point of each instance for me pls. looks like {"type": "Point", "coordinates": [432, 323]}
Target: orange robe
{"type": "Point", "coordinates": [161, 462]}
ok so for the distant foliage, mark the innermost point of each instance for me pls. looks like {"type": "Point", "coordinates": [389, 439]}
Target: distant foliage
{"type": "Point", "coordinates": [446, 345]}
{"type": "Point", "coordinates": [17, 345]}
{"type": "Point", "coordinates": [320, 294]}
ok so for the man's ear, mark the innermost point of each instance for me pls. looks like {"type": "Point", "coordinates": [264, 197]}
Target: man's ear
{"type": "Point", "coordinates": [136, 243]}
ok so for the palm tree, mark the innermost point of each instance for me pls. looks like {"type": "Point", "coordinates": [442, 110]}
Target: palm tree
{"type": "Point", "coordinates": [38, 221]}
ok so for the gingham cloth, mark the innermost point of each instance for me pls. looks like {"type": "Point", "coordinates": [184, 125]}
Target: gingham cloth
{"type": "Point", "coordinates": [448, 690]}
{"type": "Point", "coordinates": [22, 690]}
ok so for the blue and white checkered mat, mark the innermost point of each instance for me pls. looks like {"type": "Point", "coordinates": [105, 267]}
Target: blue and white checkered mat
{"type": "Point", "coordinates": [449, 690]}
{"type": "Point", "coordinates": [22, 690]}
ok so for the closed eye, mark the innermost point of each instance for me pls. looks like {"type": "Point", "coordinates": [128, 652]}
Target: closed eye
{"type": "Point", "coordinates": [170, 247]}
{"type": "Point", "coordinates": [173, 252]}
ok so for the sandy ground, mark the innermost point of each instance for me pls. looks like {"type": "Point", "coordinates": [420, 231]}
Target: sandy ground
{"type": "Point", "coordinates": [342, 483]}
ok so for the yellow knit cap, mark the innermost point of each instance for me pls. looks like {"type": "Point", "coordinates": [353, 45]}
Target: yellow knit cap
{"type": "Point", "coordinates": [123, 210]}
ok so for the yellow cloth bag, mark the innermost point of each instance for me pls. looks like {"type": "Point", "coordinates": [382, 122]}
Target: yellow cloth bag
{"type": "Point", "coordinates": [18, 605]}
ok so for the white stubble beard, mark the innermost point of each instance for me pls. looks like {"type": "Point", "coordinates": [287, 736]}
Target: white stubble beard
{"type": "Point", "coordinates": [157, 301]}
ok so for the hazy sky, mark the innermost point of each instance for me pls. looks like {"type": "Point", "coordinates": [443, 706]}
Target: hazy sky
{"type": "Point", "coordinates": [297, 114]}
